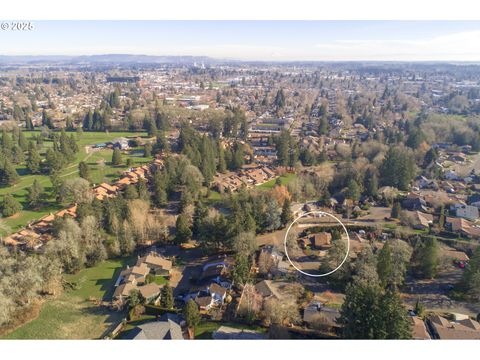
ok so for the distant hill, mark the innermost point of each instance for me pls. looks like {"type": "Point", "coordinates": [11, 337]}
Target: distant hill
{"type": "Point", "coordinates": [104, 59]}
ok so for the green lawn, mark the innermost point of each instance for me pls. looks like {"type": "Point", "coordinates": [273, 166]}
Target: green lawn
{"type": "Point", "coordinates": [284, 180]}
{"type": "Point", "coordinates": [205, 328]}
{"type": "Point", "coordinates": [213, 198]}
{"type": "Point", "coordinates": [160, 280]}
{"type": "Point", "coordinates": [101, 170]}
{"type": "Point", "coordinates": [71, 315]}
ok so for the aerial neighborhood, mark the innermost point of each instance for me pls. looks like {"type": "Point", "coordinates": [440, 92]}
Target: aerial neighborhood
{"type": "Point", "coordinates": [179, 199]}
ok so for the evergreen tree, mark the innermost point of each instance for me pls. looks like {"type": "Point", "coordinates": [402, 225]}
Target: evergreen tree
{"type": "Point", "coordinates": [323, 125]}
{"type": "Point", "coordinates": [117, 157]}
{"type": "Point", "coordinates": [222, 165]}
{"type": "Point", "coordinates": [241, 270]}
{"type": "Point", "coordinates": [22, 141]}
{"type": "Point", "coordinates": [279, 101]}
{"type": "Point", "coordinates": [84, 170]}
{"type": "Point", "coordinates": [207, 165]}
{"type": "Point", "coordinates": [8, 175]}
{"type": "Point", "coordinates": [428, 257]}
{"type": "Point", "coordinates": [398, 168]}
{"type": "Point", "coordinates": [29, 123]}
{"type": "Point", "coordinates": [88, 121]}
{"type": "Point", "coordinates": [10, 206]}
{"type": "Point", "coordinates": [371, 183]}
{"type": "Point", "coordinates": [394, 317]}
{"type": "Point", "coordinates": [17, 155]}
{"type": "Point", "coordinates": [166, 297]}
{"type": "Point", "coordinates": [359, 314]}
{"type": "Point", "coordinates": [396, 210]}
{"type": "Point", "coordinates": [162, 144]}
{"type": "Point", "coordinates": [370, 313]}
{"type": "Point", "coordinates": [199, 216]}
{"type": "Point", "coordinates": [35, 194]}
{"type": "Point", "coordinates": [147, 150]}
{"type": "Point", "coordinates": [183, 232]}
{"type": "Point", "coordinates": [237, 157]}
{"type": "Point", "coordinates": [54, 160]}
{"type": "Point", "coordinates": [385, 265]}
{"type": "Point", "coordinates": [441, 220]}
{"type": "Point", "coordinates": [470, 282]}
{"type": "Point", "coordinates": [353, 191]}
{"type": "Point", "coordinates": [7, 143]}
{"type": "Point", "coordinates": [286, 216]}
{"type": "Point", "coordinates": [191, 314]}
{"type": "Point", "coordinates": [46, 120]}
{"type": "Point", "coordinates": [142, 190]}
{"type": "Point", "coordinates": [33, 159]}
{"type": "Point", "coordinates": [430, 157]}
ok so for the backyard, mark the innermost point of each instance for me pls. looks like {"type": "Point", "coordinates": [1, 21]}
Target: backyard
{"type": "Point", "coordinates": [72, 315]}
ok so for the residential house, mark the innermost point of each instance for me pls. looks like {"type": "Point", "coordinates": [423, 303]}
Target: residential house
{"type": "Point", "coordinates": [455, 330]}
{"type": "Point", "coordinates": [465, 211]}
{"type": "Point", "coordinates": [168, 328]}
{"type": "Point", "coordinates": [150, 292]}
{"type": "Point", "coordinates": [157, 264]}
{"type": "Point", "coordinates": [204, 301]}
{"type": "Point", "coordinates": [419, 330]}
{"type": "Point", "coordinates": [207, 295]}
{"type": "Point", "coordinates": [414, 202]}
{"type": "Point", "coordinates": [218, 293]}
{"type": "Point", "coordinates": [462, 226]}
{"type": "Point", "coordinates": [451, 175]}
{"type": "Point", "coordinates": [135, 277]}
{"type": "Point", "coordinates": [422, 220]}
{"type": "Point", "coordinates": [266, 289]}
{"type": "Point", "coordinates": [322, 240]}
{"type": "Point", "coordinates": [137, 272]}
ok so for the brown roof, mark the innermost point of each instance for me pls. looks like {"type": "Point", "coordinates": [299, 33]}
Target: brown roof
{"type": "Point", "coordinates": [141, 269]}
{"type": "Point", "coordinates": [155, 260]}
{"type": "Point", "coordinates": [423, 218]}
{"type": "Point", "coordinates": [419, 330]}
{"type": "Point", "coordinates": [215, 288]}
{"type": "Point", "coordinates": [149, 290]}
{"type": "Point", "coordinates": [266, 288]}
{"type": "Point", "coordinates": [123, 290]}
{"type": "Point", "coordinates": [322, 239]}
{"type": "Point", "coordinates": [108, 187]}
{"type": "Point", "coordinates": [464, 329]}
{"type": "Point", "coordinates": [203, 301]}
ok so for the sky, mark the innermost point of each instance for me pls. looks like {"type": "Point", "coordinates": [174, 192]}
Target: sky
{"type": "Point", "coordinates": [254, 40]}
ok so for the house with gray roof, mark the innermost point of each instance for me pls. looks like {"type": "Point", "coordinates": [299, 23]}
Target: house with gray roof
{"type": "Point", "coordinates": [168, 328]}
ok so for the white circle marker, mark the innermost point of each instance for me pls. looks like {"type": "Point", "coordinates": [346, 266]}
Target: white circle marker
{"type": "Point", "coordinates": [321, 213]}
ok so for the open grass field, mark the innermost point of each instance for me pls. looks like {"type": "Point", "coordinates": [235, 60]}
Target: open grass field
{"type": "Point", "coordinates": [72, 315]}
{"type": "Point", "coordinates": [284, 179]}
{"type": "Point", "coordinates": [100, 166]}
